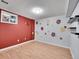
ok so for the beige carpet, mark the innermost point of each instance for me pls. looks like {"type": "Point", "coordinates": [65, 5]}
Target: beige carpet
{"type": "Point", "coordinates": [36, 50]}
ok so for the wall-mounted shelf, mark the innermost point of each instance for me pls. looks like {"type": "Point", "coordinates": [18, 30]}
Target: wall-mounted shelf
{"type": "Point", "coordinates": [76, 33]}
{"type": "Point", "coordinates": [72, 27]}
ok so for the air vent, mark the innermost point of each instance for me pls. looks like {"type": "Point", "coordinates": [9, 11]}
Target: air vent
{"type": "Point", "coordinates": [4, 1]}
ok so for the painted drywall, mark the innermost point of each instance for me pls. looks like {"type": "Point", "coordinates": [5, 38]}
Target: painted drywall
{"type": "Point", "coordinates": [75, 42]}
{"type": "Point", "coordinates": [45, 27]}
{"type": "Point", "coordinates": [74, 46]}
{"type": "Point", "coordinates": [11, 34]}
{"type": "Point", "coordinates": [74, 38]}
{"type": "Point", "coordinates": [76, 11]}
{"type": "Point", "coordinates": [71, 6]}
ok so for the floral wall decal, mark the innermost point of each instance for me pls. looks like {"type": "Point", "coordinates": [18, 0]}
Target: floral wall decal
{"type": "Point", "coordinates": [58, 21]}
{"type": "Point", "coordinates": [53, 30]}
{"type": "Point", "coordinates": [53, 34]}
{"type": "Point", "coordinates": [36, 22]}
{"type": "Point", "coordinates": [45, 33]}
{"type": "Point", "coordinates": [65, 27]}
{"type": "Point", "coordinates": [61, 38]}
{"type": "Point", "coordinates": [42, 28]}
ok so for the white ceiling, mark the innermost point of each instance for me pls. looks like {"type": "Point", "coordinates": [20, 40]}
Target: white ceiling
{"type": "Point", "coordinates": [23, 7]}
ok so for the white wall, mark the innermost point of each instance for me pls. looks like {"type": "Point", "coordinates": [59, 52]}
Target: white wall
{"type": "Point", "coordinates": [53, 27]}
{"type": "Point", "coordinates": [76, 11]}
{"type": "Point", "coordinates": [75, 42]}
{"type": "Point", "coordinates": [75, 46]}
{"type": "Point", "coordinates": [74, 38]}
{"type": "Point", "coordinates": [72, 4]}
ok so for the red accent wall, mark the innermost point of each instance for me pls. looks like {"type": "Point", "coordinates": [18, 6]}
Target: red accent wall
{"type": "Point", "coordinates": [11, 33]}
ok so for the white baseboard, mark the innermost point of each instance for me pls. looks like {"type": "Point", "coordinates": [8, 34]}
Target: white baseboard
{"type": "Point", "coordinates": [53, 44]}
{"type": "Point", "coordinates": [72, 53]}
{"type": "Point", "coordinates": [15, 45]}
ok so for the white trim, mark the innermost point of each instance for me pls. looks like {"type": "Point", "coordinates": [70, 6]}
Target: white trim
{"type": "Point", "coordinates": [15, 45]}
{"type": "Point", "coordinates": [72, 53]}
{"type": "Point", "coordinates": [53, 44]}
